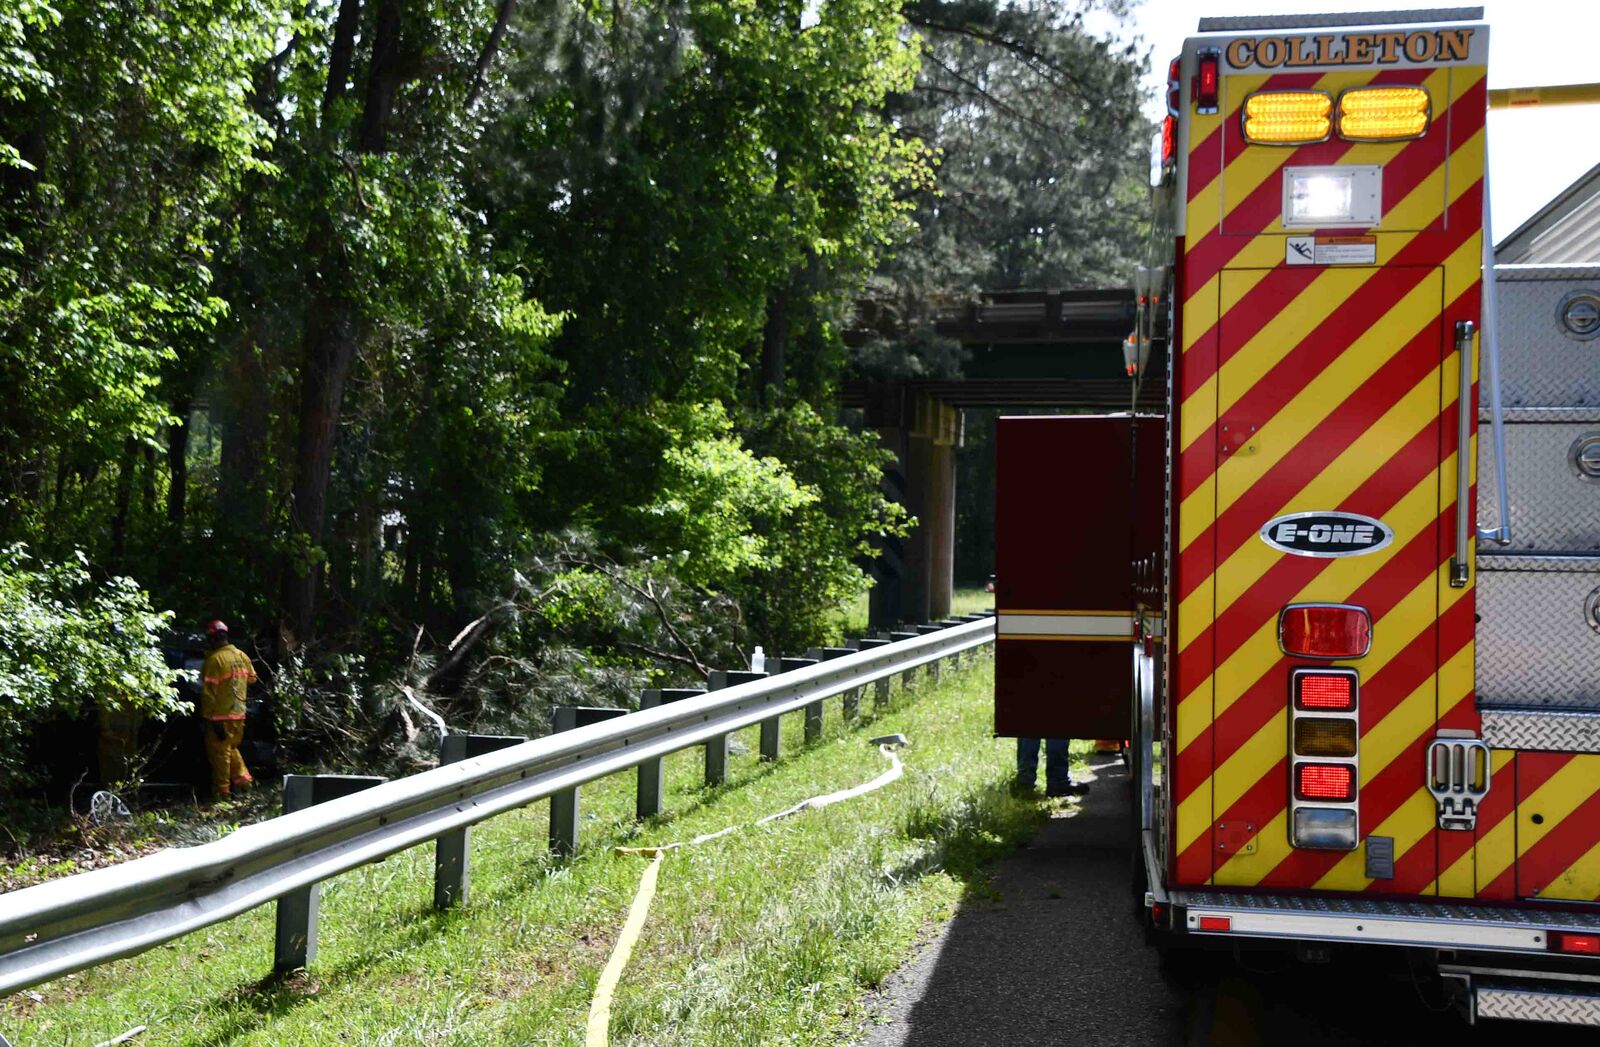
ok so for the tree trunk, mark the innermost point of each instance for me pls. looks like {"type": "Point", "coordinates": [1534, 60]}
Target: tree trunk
{"type": "Point", "coordinates": [331, 322]}
{"type": "Point", "coordinates": [480, 72]}
{"type": "Point", "coordinates": [178, 465]}
{"type": "Point", "coordinates": [384, 77]}
{"type": "Point", "coordinates": [147, 492]}
{"type": "Point", "coordinates": [119, 519]}
{"type": "Point", "coordinates": [774, 343]}
{"type": "Point", "coordinates": [342, 55]}
{"type": "Point", "coordinates": [246, 422]}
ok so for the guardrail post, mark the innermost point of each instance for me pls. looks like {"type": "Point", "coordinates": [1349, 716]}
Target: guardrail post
{"type": "Point", "coordinates": [933, 666]}
{"type": "Point", "coordinates": [452, 855]}
{"type": "Point", "coordinates": [652, 788]}
{"type": "Point", "coordinates": [772, 730]}
{"type": "Point", "coordinates": [813, 712]}
{"type": "Point", "coordinates": [295, 941]}
{"type": "Point", "coordinates": [717, 748]}
{"type": "Point", "coordinates": [955, 656]}
{"type": "Point", "coordinates": [564, 804]}
{"type": "Point", "coordinates": [880, 688]}
{"type": "Point", "coordinates": [908, 678]}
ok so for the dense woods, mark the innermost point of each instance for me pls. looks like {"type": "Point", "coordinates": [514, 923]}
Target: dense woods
{"type": "Point", "coordinates": [485, 353]}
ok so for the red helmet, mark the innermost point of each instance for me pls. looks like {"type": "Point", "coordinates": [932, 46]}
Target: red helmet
{"type": "Point", "coordinates": [217, 627]}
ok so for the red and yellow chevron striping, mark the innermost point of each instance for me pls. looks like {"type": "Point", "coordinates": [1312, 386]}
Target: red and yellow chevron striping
{"type": "Point", "coordinates": [1307, 388]}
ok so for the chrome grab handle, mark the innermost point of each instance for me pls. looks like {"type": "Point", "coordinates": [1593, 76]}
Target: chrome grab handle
{"type": "Point", "coordinates": [1465, 329]}
{"type": "Point", "coordinates": [1501, 535]}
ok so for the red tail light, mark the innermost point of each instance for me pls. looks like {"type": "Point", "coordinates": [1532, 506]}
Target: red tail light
{"type": "Point", "coordinates": [1324, 630]}
{"type": "Point", "coordinates": [1576, 944]}
{"type": "Point", "coordinates": [1216, 923]}
{"type": "Point", "coordinates": [1208, 82]}
{"type": "Point", "coordinates": [1325, 690]}
{"type": "Point", "coordinates": [1332, 782]}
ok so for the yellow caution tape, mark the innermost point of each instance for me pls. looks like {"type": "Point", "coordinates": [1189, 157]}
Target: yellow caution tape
{"type": "Point", "coordinates": [599, 1028]}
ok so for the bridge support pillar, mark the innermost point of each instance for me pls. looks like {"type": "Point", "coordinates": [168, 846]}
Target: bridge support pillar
{"type": "Point", "coordinates": [916, 575]}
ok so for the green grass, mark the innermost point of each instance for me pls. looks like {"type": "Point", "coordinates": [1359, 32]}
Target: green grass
{"type": "Point", "coordinates": [852, 617]}
{"type": "Point", "coordinates": [769, 936]}
{"type": "Point", "coordinates": [971, 601]}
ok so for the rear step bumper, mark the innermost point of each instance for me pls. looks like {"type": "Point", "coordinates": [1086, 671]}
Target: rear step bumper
{"type": "Point", "coordinates": [1470, 928]}
{"type": "Point", "coordinates": [1525, 996]}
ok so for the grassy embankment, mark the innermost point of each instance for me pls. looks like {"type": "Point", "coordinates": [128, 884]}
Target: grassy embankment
{"type": "Point", "coordinates": [763, 937]}
{"type": "Point", "coordinates": [853, 617]}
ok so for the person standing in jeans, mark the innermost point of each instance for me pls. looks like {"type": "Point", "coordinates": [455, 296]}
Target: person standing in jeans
{"type": "Point", "coordinates": [1057, 767]}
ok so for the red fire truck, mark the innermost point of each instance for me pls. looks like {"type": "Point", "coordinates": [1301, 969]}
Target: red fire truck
{"type": "Point", "coordinates": [1364, 702]}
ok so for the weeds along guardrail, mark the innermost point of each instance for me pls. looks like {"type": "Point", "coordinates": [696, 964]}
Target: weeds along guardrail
{"type": "Point", "coordinates": [334, 823]}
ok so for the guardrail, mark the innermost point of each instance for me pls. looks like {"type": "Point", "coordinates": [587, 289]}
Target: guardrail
{"type": "Point", "coordinates": [84, 920]}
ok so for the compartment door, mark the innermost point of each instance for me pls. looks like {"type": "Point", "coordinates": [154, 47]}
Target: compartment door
{"type": "Point", "coordinates": [1330, 388]}
{"type": "Point", "coordinates": [1558, 827]}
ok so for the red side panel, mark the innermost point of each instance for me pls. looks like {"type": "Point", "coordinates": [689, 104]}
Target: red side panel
{"type": "Point", "coordinates": [1063, 550]}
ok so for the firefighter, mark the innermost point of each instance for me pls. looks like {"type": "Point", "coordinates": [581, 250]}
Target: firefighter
{"type": "Point", "coordinates": [225, 678]}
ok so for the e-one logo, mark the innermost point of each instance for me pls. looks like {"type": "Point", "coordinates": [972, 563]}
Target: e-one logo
{"type": "Point", "coordinates": [1327, 534]}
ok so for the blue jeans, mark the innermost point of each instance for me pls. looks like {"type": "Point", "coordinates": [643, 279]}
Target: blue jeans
{"type": "Point", "coordinates": [1056, 767]}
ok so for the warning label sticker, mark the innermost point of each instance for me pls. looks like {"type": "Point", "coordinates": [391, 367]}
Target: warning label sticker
{"type": "Point", "coordinates": [1331, 250]}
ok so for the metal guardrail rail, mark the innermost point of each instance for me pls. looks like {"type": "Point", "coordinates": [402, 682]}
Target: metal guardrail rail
{"type": "Point", "coordinates": [81, 921]}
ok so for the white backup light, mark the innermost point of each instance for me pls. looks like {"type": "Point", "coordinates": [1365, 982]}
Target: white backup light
{"type": "Point", "coordinates": [1322, 197]}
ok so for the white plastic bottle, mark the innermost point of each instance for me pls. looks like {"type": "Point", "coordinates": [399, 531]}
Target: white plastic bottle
{"type": "Point", "coordinates": [758, 661]}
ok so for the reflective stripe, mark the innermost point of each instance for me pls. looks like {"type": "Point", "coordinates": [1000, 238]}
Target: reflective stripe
{"type": "Point", "coordinates": [1091, 625]}
{"type": "Point", "coordinates": [237, 674]}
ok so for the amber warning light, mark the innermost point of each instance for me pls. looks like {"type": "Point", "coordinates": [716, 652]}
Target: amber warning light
{"type": "Point", "coordinates": [1379, 114]}
{"type": "Point", "coordinates": [1287, 117]}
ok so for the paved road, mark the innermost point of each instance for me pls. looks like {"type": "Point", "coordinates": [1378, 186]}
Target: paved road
{"type": "Point", "coordinates": [1056, 957]}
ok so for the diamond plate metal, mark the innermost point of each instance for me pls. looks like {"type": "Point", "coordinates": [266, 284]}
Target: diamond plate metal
{"type": "Point", "coordinates": [1537, 1005]}
{"type": "Point", "coordinates": [1535, 645]}
{"type": "Point", "coordinates": [1589, 415]}
{"type": "Point", "coordinates": [1553, 509]}
{"type": "Point", "coordinates": [1558, 563]}
{"type": "Point", "coordinates": [1400, 910]}
{"type": "Point", "coordinates": [1540, 366]}
{"type": "Point", "coordinates": [1542, 730]}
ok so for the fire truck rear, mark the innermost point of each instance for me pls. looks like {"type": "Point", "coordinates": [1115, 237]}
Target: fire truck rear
{"type": "Point", "coordinates": [1365, 703]}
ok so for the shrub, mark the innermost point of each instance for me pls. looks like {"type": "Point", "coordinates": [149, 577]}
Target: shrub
{"type": "Point", "coordinates": [70, 645]}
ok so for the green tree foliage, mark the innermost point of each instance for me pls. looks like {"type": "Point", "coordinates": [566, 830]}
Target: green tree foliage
{"type": "Point", "coordinates": [1042, 154]}
{"type": "Point", "coordinates": [127, 132]}
{"type": "Point", "coordinates": [69, 645]}
{"type": "Point", "coordinates": [341, 319]}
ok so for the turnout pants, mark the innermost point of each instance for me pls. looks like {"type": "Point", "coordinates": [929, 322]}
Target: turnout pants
{"type": "Point", "coordinates": [228, 771]}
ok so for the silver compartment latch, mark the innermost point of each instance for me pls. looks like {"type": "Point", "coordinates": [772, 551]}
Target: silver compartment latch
{"type": "Point", "coordinates": [1458, 778]}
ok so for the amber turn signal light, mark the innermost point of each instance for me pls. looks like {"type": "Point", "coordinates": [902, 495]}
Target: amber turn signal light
{"type": "Point", "coordinates": [1323, 736]}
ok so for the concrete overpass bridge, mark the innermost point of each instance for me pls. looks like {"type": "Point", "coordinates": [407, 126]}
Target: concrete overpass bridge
{"type": "Point", "coordinates": [1023, 350]}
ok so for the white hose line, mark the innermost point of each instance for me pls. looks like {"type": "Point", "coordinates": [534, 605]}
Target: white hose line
{"type": "Point", "coordinates": [598, 1033]}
